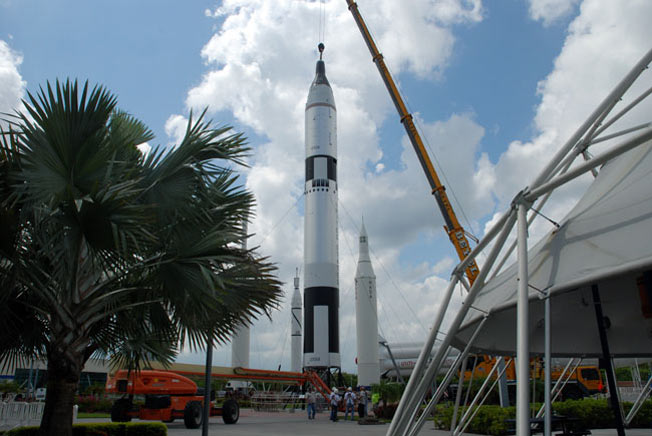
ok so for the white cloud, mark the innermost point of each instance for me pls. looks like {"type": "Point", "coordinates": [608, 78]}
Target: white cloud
{"type": "Point", "coordinates": [144, 148]}
{"type": "Point", "coordinates": [550, 11]}
{"type": "Point", "coordinates": [603, 43]}
{"type": "Point", "coordinates": [261, 62]}
{"type": "Point", "coordinates": [175, 128]}
{"type": "Point", "coordinates": [12, 85]}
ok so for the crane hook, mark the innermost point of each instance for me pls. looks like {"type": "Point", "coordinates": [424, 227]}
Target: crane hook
{"type": "Point", "coordinates": [320, 47]}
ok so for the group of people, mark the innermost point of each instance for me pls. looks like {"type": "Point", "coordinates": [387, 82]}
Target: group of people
{"type": "Point", "coordinates": [352, 400]}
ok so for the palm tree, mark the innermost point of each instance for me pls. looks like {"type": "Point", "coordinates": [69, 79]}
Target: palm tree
{"type": "Point", "coordinates": [107, 251]}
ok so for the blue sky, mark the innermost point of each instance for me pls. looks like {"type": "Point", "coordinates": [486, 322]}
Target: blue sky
{"type": "Point", "coordinates": [496, 86]}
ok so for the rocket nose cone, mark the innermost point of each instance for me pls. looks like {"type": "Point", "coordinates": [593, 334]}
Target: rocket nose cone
{"type": "Point", "coordinates": [320, 74]}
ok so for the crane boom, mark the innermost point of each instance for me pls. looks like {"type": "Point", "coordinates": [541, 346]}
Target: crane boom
{"type": "Point", "coordinates": [453, 227]}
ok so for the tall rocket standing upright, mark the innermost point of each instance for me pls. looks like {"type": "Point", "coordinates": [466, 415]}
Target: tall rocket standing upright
{"type": "Point", "coordinates": [295, 322]}
{"type": "Point", "coordinates": [366, 316]}
{"type": "Point", "coordinates": [321, 343]}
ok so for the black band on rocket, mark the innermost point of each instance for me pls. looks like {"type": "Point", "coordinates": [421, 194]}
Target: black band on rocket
{"type": "Point", "coordinates": [321, 296]}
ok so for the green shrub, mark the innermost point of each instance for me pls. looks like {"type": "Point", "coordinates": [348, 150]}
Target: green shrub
{"type": "Point", "coordinates": [104, 429]}
{"type": "Point", "coordinates": [488, 420]}
{"type": "Point", "coordinates": [389, 392]}
{"type": "Point", "coordinates": [643, 418]}
{"type": "Point", "coordinates": [589, 413]}
{"type": "Point", "coordinates": [90, 404]}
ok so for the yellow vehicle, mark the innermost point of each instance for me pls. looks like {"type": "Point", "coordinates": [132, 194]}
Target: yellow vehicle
{"type": "Point", "coordinates": [454, 229]}
{"type": "Point", "coordinates": [585, 380]}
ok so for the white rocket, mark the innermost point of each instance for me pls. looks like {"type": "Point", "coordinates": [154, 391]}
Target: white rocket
{"type": "Point", "coordinates": [296, 328]}
{"type": "Point", "coordinates": [241, 338]}
{"type": "Point", "coordinates": [366, 316]}
{"type": "Point", "coordinates": [321, 341]}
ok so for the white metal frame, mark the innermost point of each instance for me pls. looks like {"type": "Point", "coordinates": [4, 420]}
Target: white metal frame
{"type": "Point", "coordinates": [555, 174]}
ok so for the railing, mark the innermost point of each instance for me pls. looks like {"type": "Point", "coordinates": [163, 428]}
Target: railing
{"type": "Point", "coordinates": [282, 401]}
{"type": "Point", "coordinates": [19, 413]}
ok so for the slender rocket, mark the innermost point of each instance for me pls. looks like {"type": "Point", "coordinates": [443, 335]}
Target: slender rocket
{"type": "Point", "coordinates": [241, 337]}
{"type": "Point", "coordinates": [321, 341]}
{"type": "Point", "coordinates": [296, 361]}
{"type": "Point", "coordinates": [366, 318]}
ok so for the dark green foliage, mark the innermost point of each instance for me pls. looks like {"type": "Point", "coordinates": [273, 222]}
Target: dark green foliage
{"type": "Point", "coordinates": [105, 429]}
{"type": "Point", "coordinates": [109, 252]}
{"type": "Point", "coordinates": [93, 404]}
{"type": "Point", "coordinates": [488, 420]}
{"type": "Point", "coordinates": [589, 413]}
{"type": "Point", "coordinates": [389, 392]}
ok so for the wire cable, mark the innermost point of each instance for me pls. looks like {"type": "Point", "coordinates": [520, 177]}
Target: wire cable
{"type": "Point", "coordinates": [273, 229]}
{"type": "Point", "coordinates": [400, 292]}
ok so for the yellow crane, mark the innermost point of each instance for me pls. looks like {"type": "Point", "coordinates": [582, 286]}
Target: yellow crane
{"type": "Point", "coordinates": [455, 231]}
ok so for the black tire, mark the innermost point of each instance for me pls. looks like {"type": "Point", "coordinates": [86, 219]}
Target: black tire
{"type": "Point", "coordinates": [230, 412]}
{"type": "Point", "coordinates": [120, 409]}
{"type": "Point", "coordinates": [193, 414]}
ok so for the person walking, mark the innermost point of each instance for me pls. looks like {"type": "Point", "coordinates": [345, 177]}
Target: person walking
{"type": "Point", "coordinates": [363, 400]}
{"type": "Point", "coordinates": [349, 403]}
{"type": "Point", "coordinates": [311, 399]}
{"type": "Point", "coordinates": [335, 401]}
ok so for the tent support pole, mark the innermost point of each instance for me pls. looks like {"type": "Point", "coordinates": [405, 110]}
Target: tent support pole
{"type": "Point", "coordinates": [207, 385]}
{"type": "Point", "coordinates": [398, 423]}
{"type": "Point", "coordinates": [399, 377]}
{"type": "Point", "coordinates": [479, 397]}
{"type": "Point", "coordinates": [645, 393]}
{"type": "Point", "coordinates": [547, 425]}
{"type": "Point", "coordinates": [458, 395]}
{"type": "Point", "coordinates": [522, 333]}
{"type": "Point", "coordinates": [486, 395]}
{"type": "Point", "coordinates": [412, 396]}
{"type": "Point", "coordinates": [613, 388]}
{"type": "Point", "coordinates": [444, 384]}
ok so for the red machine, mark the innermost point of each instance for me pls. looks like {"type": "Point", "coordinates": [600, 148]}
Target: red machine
{"type": "Point", "coordinates": [168, 396]}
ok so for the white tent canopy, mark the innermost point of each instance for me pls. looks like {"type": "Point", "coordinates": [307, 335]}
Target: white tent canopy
{"type": "Point", "coordinates": [605, 240]}
{"type": "Point", "coordinates": [595, 270]}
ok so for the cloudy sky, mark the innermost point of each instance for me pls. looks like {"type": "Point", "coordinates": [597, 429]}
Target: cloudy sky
{"type": "Point", "coordinates": [496, 87]}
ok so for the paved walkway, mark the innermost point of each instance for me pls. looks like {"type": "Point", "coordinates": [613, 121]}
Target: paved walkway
{"type": "Point", "coordinates": [254, 423]}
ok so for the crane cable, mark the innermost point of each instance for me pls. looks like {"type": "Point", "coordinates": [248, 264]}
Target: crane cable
{"type": "Point", "coordinates": [322, 20]}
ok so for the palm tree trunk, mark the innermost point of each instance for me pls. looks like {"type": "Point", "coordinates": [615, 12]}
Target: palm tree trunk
{"type": "Point", "coordinates": [63, 380]}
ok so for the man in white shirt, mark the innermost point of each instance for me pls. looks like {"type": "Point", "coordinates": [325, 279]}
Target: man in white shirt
{"type": "Point", "coordinates": [335, 401]}
{"type": "Point", "coordinates": [349, 403]}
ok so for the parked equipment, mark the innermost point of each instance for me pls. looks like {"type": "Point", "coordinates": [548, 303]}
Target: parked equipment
{"type": "Point", "coordinates": [168, 396]}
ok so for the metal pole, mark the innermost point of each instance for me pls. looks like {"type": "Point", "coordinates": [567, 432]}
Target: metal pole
{"type": "Point", "coordinates": [607, 103]}
{"type": "Point", "coordinates": [391, 356]}
{"type": "Point", "coordinates": [444, 384]}
{"type": "Point", "coordinates": [560, 383]}
{"type": "Point", "coordinates": [522, 333]}
{"type": "Point", "coordinates": [423, 357]}
{"type": "Point", "coordinates": [548, 371]}
{"type": "Point", "coordinates": [29, 379]}
{"type": "Point", "coordinates": [207, 386]}
{"type": "Point", "coordinates": [500, 373]}
{"type": "Point", "coordinates": [598, 160]}
{"type": "Point", "coordinates": [639, 401]}
{"type": "Point", "coordinates": [403, 419]}
{"type": "Point", "coordinates": [458, 395]}
{"type": "Point", "coordinates": [613, 388]}
{"type": "Point", "coordinates": [477, 397]}
{"type": "Point", "coordinates": [468, 391]}
{"type": "Point", "coordinates": [503, 393]}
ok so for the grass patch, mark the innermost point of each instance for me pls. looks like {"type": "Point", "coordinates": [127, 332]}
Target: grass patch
{"type": "Point", "coordinates": [85, 415]}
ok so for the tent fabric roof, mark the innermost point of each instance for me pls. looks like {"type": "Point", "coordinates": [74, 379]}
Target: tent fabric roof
{"type": "Point", "coordinates": [606, 239]}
